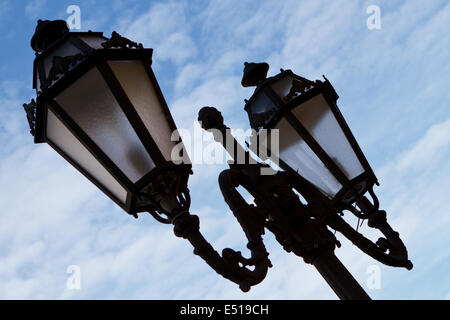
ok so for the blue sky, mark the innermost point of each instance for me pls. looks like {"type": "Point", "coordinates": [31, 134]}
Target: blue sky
{"type": "Point", "coordinates": [393, 87]}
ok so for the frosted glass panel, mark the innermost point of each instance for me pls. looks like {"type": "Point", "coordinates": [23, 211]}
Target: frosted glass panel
{"type": "Point", "coordinates": [38, 79]}
{"type": "Point", "coordinates": [298, 155]}
{"type": "Point", "coordinates": [282, 87]}
{"type": "Point", "coordinates": [262, 103]}
{"type": "Point", "coordinates": [69, 144]}
{"type": "Point", "coordinates": [317, 117]}
{"type": "Point", "coordinates": [135, 81]}
{"type": "Point", "coordinates": [93, 41]}
{"type": "Point", "coordinates": [63, 50]}
{"type": "Point", "coordinates": [90, 103]}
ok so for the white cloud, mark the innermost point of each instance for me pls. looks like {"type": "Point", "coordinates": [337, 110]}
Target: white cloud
{"type": "Point", "coordinates": [163, 26]}
{"type": "Point", "coordinates": [5, 7]}
{"type": "Point", "coordinates": [34, 8]}
{"type": "Point", "coordinates": [428, 150]}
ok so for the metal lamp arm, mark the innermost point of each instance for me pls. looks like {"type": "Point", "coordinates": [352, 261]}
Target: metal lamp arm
{"type": "Point", "coordinates": [397, 256]}
{"type": "Point", "coordinates": [169, 195]}
{"type": "Point", "coordinates": [231, 265]}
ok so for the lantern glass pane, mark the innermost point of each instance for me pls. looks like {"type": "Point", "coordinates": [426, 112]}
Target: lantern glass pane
{"type": "Point", "coordinates": [262, 103]}
{"type": "Point", "coordinates": [38, 78]}
{"type": "Point", "coordinates": [298, 155]}
{"type": "Point", "coordinates": [282, 87]}
{"type": "Point", "coordinates": [94, 42]}
{"type": "Point", "coordinates": [65, 49]}
{"type": "Point", "coordinates": [136, 82]}
{"type": "Point", "coordinates": [93, 107]}
{"type": "Point", "coordinates": [316, 116]}
{"type": "Point", "coordinates": [60, 136]}
{"type": "Point", "coordinates": [62, 50]}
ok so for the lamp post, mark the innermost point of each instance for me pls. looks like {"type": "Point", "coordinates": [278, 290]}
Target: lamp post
{"type": "Point", "coordinates": [100, 107]}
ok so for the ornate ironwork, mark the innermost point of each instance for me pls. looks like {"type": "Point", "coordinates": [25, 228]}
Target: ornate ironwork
{"type": "Point", "coordinates": [389, 250]}
{"type": "Point", "coordinates": [169, 195]}
{"type": "Point", "coordinates": [231, 264]}
{"type": "Point", "coordinates": [301, 228]}
{"type": "Point", "coordinates": [117, 41]}
{"type": "Point", "coordinates": [259, 120]}
{"type": "Point", "coordinates": [279, 208]}
{"type": "Point", "coordinates": [30, 110]}
{"type": "Point", "coordinates": [61, 66]}
{"type": "Point", "coordinates": [299, 86]}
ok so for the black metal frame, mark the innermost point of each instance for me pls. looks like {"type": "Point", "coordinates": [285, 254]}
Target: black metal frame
{"type": "Point", "coordinates": [299, 227]}
{"type": "Point", "coordinates": [97, 58]}
{"type": "Point", "coordinates": [72, 37]}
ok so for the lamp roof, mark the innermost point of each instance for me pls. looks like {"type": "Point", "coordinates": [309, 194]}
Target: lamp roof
{"type": "Point", "coordinates": [47, 32]}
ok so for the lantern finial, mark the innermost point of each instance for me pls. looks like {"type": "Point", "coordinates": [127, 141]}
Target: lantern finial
{"type": "Point", "coordinates": [254, 74]}
{"type": "Point", "coordinates": [210, 118]}
{"type": "Point", "coordinates": [47, 32]}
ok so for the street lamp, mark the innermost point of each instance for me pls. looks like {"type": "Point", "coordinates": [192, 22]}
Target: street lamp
{"type": "Point", "coordinates": [317, 146]}
{"type": "Point", "coordinates": [99, 105]}
{"type": "Point", "coordinates": [314, 139]}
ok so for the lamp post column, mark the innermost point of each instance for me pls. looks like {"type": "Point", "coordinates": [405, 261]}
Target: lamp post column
{"type": "Point", "coordinates": [338, 277]}
{"type": "Point", "coordinates": [312, 241]}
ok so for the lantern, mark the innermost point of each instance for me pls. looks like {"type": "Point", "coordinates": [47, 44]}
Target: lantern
{"type": "Point", "coordinates": [315, 141]}
{"type": "Point", "coordinates": [100, 107]}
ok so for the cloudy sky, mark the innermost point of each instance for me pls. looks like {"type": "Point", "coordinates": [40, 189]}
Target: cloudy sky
{"type": "Point", "coordinates": [393, 86]}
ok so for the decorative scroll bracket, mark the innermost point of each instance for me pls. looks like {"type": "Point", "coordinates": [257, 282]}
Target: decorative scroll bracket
{"type": "Point", "coordinates": [117, 41]}
{"type": "Point", "coordinates": [30, 110]}
{"type": "Point", "coordinates": [61, 66]}
{"type": "Point", "coordinates": [169, 196]}
{"type": "Point", "coordinates": [298, 87]}
{"type": "Point", "coordinates": [317, 209]}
